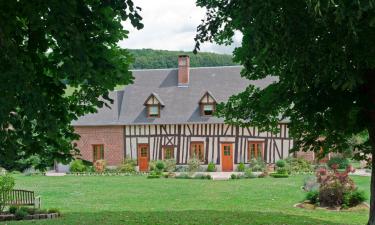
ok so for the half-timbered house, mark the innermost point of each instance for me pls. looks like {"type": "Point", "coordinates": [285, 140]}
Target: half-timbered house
{"type": "Point", "coordinates": [168, 114]}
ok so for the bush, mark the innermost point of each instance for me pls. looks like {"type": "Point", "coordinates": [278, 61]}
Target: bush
{"type": "Point", "coordinates": [154, 174]}
{"type": "Point", "coordinates": [202, 176]}
{"type": "Point", "coordinates": [194, 164]}
{"type": "Point", "coordinates": [159, 166]}
{"type": "Point", "coordinates": [99, 165]}
{"type": "Point", "coordinates": [298, 165]}
{"type": "Point", "coordinates": [354, 198]}
{"type": "Point", "coordinates": [312, 196]}
{"type": "Point", "coordinates": [341, 162]}
{"type": "Point", "coordinates": [249, 173]}
{"type": "Point", "coordinates": [13, 209]}
{"type": "Point", "coordinates": [128, 165]}
{"type": "Point", "coordinates": [279, 175]}
{"type": "Point", "coordinates": [181, 169]}
{"type": "Point", "coordinates": [21, 213]}
{"type": "Point", "coordinates": [257, 165]}
{"type": "Point", "coordinates": [7, 183]}
{"type": "Point", "coordinates": [54, 210]}
{"type": "Point", "coordinates": [77, 166]}
{"type": "Point", "coordinates": [310, 184]}
{"type": "Point", "coordinates": [183, 176]}
{"type": "Point", "coordinates": [233, 176]}
{"type": "Point", "coordinates": [282, 170]}
{"type": "Point", "coordinates": [170, 165]}
{"type": "Point", "coordinates": [241, 167]}
{"type": "Point", "coordinates": [280, 163]}
{"type": "Point", "coordinates": [211, 167]}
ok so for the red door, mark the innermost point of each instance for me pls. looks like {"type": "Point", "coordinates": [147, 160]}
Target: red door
{"type": "Point", "coordinates": [143, 157]}
{"type": "Point", "coordinates": [227, 156]}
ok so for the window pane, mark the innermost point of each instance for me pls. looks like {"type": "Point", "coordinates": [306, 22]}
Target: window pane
{"type": "Point", "coordinates": [259, 150]}
{"type": "Point", "coordinates": [208, 107]}
{"type": "Point", "coordinates": [144, 152]}
{"type": "Point", "coordinates": [168, 153]}
{"type": "Point", "coordinates": [154, 110]}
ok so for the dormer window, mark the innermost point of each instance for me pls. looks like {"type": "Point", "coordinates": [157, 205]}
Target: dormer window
{"type": "Point", "coordinates": [207, 104]}
{"type": "Point", "coordinates": [153, 105]}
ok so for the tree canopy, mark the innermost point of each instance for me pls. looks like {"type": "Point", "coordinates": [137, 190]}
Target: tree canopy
{"type": "Point", "coordinates": [322, 53]}
{"type": "Point", "coordinates": [159, 59]}
{"type": "Point", "coordinates": [45, 46]}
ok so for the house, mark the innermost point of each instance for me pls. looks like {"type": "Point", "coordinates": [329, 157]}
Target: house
{"type": "Point", "coordinates": [168, 114]}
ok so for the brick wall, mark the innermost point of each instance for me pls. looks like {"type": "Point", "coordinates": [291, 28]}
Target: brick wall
{"type": "Point", "coordinates": [112, 137]}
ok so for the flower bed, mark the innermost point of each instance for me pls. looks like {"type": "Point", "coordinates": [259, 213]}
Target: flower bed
{"type": "Point", "coordinates": [107, 174]}
{"type": "Point", "coordinates": [7, 217]}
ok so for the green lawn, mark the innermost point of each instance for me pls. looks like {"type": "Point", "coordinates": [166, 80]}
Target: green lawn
{"type": "Point", "coordinates": [137, 200]}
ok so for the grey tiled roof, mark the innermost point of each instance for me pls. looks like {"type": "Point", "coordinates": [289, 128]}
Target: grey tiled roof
{"type": "Point", "coordinates": [180, 103]}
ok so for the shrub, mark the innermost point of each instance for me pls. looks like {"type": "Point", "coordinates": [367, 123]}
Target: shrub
{"type": "Point", "coordinates": [6, 185]}
{"type": "Point", "coordinates": [298, 165]}
{"type": "Point", "coordinates": [310, 184]}
{"type": "Point", "coordinates": [99, 165]}
{"type": "Point", "coordinates": [353, 198]}
{"type": "Point", "coordinates": [241, 167]}
{"type": "Point", "coordinates": [233, 176]}
{"type": "Point", "coordinates": [208, 177]}
{"type": "Point", "coordinates": [153, 174]}
{"type": "Point", "coordinates": [263, 175]}
{"type": "Point", "coordinates": [54, 210]}
{"type": "Point", "coordinates": [13, 209]}
{"type": "Point", "coordinates": [21, 213]}
{"type": "Point", "coordinates": [257, 165]}
{"type": "Point", "coordinates": [77, 166]}
{"type": "Point", "coordinates": [159, 166]}
{"type": "Point", "coordinates": [170, 165]}
{"type": "Point", "coordinates": [279, 175]}
{"type": "Point", "coordinates": [183, 176]}
{"type": "Point", "coordinates": [249, 173]}
{"type": "Point", "coordinates": [194, 164]}
{"type": "Point", "coordinates": [128, 165]}
{"type": "Point", "coordinates": [312, 196]}
{"type": "Point", "coordinates": [181, 169]}
{"type": "Point", "coordinates": [341, 162]}
{"type": "Point", "coordinates": [211, 167]}
{"type": "Point", "coordinates": [282, 170]}
{"type": "Point", "coordinates": [280, 163]}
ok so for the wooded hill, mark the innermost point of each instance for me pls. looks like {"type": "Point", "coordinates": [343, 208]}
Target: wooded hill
{"type": "Point", "coordinates": [158, 59]}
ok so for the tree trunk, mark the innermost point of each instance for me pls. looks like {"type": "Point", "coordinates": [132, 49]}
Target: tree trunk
{"type": "Point", "coordinates": [370, 91]}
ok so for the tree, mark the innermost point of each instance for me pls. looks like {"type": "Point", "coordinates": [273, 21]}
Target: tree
{"type": "Point", "coordinates": [45, 46]}
{"type": "Point", "coordinates": [322, 53]}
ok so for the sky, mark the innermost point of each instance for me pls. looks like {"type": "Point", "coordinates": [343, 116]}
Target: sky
{"type": "Point", "coordinates": [170, 25]}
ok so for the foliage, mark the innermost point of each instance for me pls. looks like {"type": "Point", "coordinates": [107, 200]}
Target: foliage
{"type": "Point", "coordinates": [43, 50]}
{"type": "Point", "coordinates": [77, 166]}
{"type": "Point", "coordinates": [181, 169]}
{"type": "Point", "coordinates": [241, 167]}
{"type": "Point", "coordinates": [21, 213]}
{"type": "Point", "coordinates": [318, 53]}
{"type": "Point", "coordinates": [342, 162]}
{"type": "Point", "coordinates": [354, 198]}
{"type": "Point", "coordinates": [282, 170]}
{"type": "Point", "coordinates": [170, 165]}
{"type": "Point", "coordinates": [194, 164]}
{"type": "Point", "coordinates": [128, 165]}
{"type": "Point", "coordinates": [312, 196]}
{"type": "Point", "coordinates": [249, 173]}
{"type": "Point", "coordinates": [298, 165]}
{"type": "Point", "coordinates": [154, 174]}
{"type": "Point", "coordinates": [183, 176]}
{"type": "Point", "coordinates": [159, 166]}
{"type": "Point", "coordinates": [158, 59]}
{"type": "Point", "coordinates": [233, 176]}
{"type": "Point", "coordinates": [99, 165]}
{"type": "Point", "coordinates": [280, 163]}
{"type": "Point", "coordinates": [13, 209]}
{"type": "Point", "coordinates": [257, 165]}
{"type": "Point", "coordinates": [202, 176]}
{"type": "Point", "coordinates": [279, 175]}
{"type": "Point", "coordinates": [7, 183]}
{"type": "Point", "coordinates": [310, 184]}
{"type": "Point", "coordinates": [211, 167]}
{"type": "Point", "coordinates": [333, 186]}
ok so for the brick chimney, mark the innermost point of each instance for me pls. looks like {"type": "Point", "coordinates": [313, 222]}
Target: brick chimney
{"type": "Point", "coordinates": [183, 70]}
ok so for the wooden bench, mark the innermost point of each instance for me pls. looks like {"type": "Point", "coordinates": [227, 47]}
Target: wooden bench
{"type": "Point", "coordinates": [22, 198]}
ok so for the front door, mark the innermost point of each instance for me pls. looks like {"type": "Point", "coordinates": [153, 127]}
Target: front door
{"type": "Point", "coordinates": [227, 156]}
{"type": "Point", "coordinates": [143, 157]}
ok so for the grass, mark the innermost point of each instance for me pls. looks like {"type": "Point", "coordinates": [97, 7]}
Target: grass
{"type": "Point", "coordinates": [138, 200]}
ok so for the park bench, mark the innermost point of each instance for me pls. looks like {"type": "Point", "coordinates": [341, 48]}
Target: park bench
{"type": "Point", "coordinates": [22, 198]}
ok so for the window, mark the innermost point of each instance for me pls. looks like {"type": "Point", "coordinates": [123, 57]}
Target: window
{"type": "Point", "coordinates": [197, 150]}
{"type": "Point", "coordinates": [98, 152]}
{"type": "Point", "coordinates": [227, 150]}
{"type": "Point", "coordinates": [168, 152]}
{"type": "Point", "coordinates": [207, 104]}
{"type": "Point", "coordinates": [153, 111]}
{"type": "Point", "coordinates": [153, 104]}
{"type": "Point", "coordinates": [144, 151]}
{"type": "Point", "coordinates": [255, 150]}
